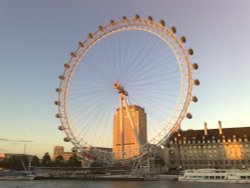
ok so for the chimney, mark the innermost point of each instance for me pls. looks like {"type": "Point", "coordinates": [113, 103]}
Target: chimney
{"type": "Point", "coordinates": [220, 128]}
{"type": "Point", "coordinates": [205, 128]}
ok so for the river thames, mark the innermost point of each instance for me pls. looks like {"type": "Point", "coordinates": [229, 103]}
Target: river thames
{"type": "Point", "coordinates": [114, 184]}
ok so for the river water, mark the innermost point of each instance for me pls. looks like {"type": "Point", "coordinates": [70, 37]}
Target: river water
{"type": "Point", "coordinates": [114, 184]}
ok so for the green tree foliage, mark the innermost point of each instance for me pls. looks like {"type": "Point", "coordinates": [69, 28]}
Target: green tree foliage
{"type": "Point", "coordinates": [46, 160]}
{"type": "Point", "coordinates": [35, 161]}
{"type": "Point", "coordinates": [59, 161]}
{"type": "Point", "coordinates": [15, 162]}
{"type": "Point", "coordinates": [73, 161]}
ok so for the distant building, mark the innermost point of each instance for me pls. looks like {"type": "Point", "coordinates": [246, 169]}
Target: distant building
{"type": "Point", "coordinates": [12, 155]}
{"type": "Point", "coordinates": [208, 148]}
{"type": "Point", "coordinates": [2, 156]}
{"type": "Point", "coordinates": [59, 150]}
{"type": "Point", "coordinates": [131, 148]}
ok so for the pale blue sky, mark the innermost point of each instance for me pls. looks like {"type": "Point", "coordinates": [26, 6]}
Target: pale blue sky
{"type": "Point", "coordinates": [36, 37]}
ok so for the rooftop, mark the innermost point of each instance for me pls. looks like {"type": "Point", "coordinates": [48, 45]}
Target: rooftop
{"type": "Point", "coordinates": [239, 132]}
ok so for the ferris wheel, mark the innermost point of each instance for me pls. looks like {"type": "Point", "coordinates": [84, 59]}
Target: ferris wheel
{"type": "Point", "coordinates": [125, 89]}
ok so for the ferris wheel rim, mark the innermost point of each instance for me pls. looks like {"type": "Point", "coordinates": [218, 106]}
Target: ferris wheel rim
{"type": "Point", "coordinates": [114, 27]}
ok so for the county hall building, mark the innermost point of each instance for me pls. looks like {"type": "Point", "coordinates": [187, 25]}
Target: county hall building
{"type": "Point", "coordinates": [208, 148]}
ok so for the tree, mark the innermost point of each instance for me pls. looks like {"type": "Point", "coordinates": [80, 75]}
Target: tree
{"type": "Point", "coordinates": [35, 161]}
{"type": "Point", "coordinates": [73, 161]}
{"type": "Point", "coordinates": [4, 163]}
{"type": "Point", "coordinates": [20, 162]}
{"type": "Point", "coordinates": [46, 160]}
{"type": "Point", "coordinates": [59, 161]}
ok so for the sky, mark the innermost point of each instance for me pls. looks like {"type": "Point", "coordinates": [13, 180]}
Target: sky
{"type": "Point", "coordinates": [36, 38]}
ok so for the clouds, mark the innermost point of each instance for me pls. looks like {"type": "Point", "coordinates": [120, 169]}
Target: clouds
{"type": "Point", "coordinates": [15, 141]}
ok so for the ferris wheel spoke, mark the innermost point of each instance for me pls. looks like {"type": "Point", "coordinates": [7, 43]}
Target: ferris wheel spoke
{"type": "Point", "coordinates": [100, 76]}
{"type": "Point", "coordinates": [159, 76]}
{"type": "Point", "coordinates": [134, 60]}
{"type": "Point", "coordinates": [156, 105]}
{"type": "Point", "coordinates": [126, 58]}
{"type": "Point", "coordinates": [94, 128]}
{"type": "Point", "coordinates": [156, 91]}
{"type": "Point", "coordinates": [79, 114]}
{"type": "Point", "coordinates": [107, 129]}
{"type": "Point", "coordinates": [134, 51]}
{"type": "Point", "coordinates": [158, 100]}
{"type": "Point", "coordinates": [106, 54]}
{"type": "Point", "coordinates": [153, 55]}
{"type": "Point", "coordinates": [154, 120]}
{"type": "Point", "coordinates": [142, 73]}
{"type": "Point", "coordinates": [137, 61]}
{"type": "Point", "coordinates": [146, 64]}
{"type": "Point", "coordinates": [158, 81]}
{"type": "Point", "coordinates": [93, 107]}
{"type": "Point", "coordinates": [92, 81]}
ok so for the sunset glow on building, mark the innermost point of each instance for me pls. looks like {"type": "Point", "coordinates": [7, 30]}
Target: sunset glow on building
{"type": "Point", "coordinates": [209, 148]}
{"type": "Point", "coordinates": [131, 148]}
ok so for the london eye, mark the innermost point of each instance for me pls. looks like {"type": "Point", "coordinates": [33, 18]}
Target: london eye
{"type": "Point", "coordinates": [127, 67]}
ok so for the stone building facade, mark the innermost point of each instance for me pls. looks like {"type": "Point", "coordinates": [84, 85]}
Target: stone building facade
{"type": "Point", "coordinates": [59, 151]}
{"type": "Point", "coordinates": [208, 148]}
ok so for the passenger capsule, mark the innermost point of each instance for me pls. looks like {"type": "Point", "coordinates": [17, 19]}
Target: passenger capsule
{"type": "Point", "coordinates": [101, 28]}
{"type": "Point", "coordinates": [124, 18]}
{"type": "Point", "coordinates": [61, 77]}
{"type": "Point", "coordinates": [196, 82]}
{"type": "Point", "coordinates": [189, 116]}
{"type": "Point", "coordinates": [173, 29]}
{"type": "Point", "coordinates": [58, 90]}
{"type": "Point", "coordinates": [162, 22]}
{"type": "Point", "coordinates": [74, 149]}
{"type": "Point", "coordinates": [66, 65]}
{"type": "Point", "coordinates": [194, 99]}
{"type": "Point", "coordinates": [112, 22]}
{"type": "Point", "coordinates": [137, 17]}
{"type": "Point", "coordinates": [81, 44]}
{"type": "Point", "coordinates": [61, 128]}
{"type": "Point", "coordinates": [190, 51]}
{"type": "Point", "coordinates": [58, 103]}
{"type": "Point", "coordinates": [90, 36]}
{"type": "Point", "coordinates": [195, 66]}
{"type": "Point", "coordinates": [150, 18]}
{"type": "Point", "coordinates": [58, 116]}
{"type": "Point", "coordinates": [66, 139]}
{"type": "Point", "coordinates": [73, 54]}
{"type": "Point", "coordinates": [183, 39]}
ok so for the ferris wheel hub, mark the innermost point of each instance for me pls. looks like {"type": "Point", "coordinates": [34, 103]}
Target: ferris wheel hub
{"type": "Point", "coordinates": [120, 88]}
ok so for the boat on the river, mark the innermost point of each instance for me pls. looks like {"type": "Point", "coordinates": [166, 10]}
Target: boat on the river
{"type": "Point", "coordinates": [216, 175]}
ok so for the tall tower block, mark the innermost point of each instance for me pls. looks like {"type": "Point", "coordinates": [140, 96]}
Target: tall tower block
{"type": "Point", "coordinates": [131, 148]}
